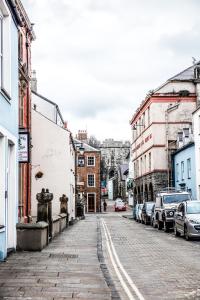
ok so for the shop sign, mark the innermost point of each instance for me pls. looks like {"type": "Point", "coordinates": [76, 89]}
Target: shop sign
{"type": "Point", "coordinates": [23, 147]}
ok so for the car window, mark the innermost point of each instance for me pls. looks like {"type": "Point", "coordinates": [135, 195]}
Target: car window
{"type": "Point", "coordinates": [174, 198]}
{"type": "Point", "coordinates": [193, 208]}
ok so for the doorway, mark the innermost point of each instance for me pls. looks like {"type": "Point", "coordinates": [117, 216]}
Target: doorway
{"type": "Point", "coordinates": [91, 203]}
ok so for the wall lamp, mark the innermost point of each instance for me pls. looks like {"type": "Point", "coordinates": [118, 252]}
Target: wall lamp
{"type": "Point", "coordinates": [81, 149]}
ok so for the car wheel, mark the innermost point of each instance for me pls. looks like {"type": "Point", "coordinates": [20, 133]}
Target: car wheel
{"type": "Point", "coordinates": [160, 225]}
{"type": "Point", "coordinates": [187, 237]}
{"type": "Point", "coordinates": [166, 227]}
{"type": "Point", "coordinates": [176, 231]}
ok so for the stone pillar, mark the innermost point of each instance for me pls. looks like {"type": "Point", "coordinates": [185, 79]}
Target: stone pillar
{"type": "Point", "coordinates": [44, 208]}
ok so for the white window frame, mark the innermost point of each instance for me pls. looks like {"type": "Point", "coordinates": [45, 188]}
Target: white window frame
{"type": "Point", "coordinates": [182, 170]}
{"type": "Point", "coordinates": [5, 65]}
{"type": "Point", "coordinates": [189, 168]}
{"type": "Point", "coordinates": [88, 182]}
{"type": "Point", "coordinates": [88, 160]}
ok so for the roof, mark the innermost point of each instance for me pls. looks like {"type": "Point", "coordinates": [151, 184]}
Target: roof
{"type": "Point", "coordinates": [86, 147]}
{"type": "Point", "coordinates": [51, 102]}
{"type": "Point", "coordinates": [187, 74]}
{"type": "Point", "coordinates": [183, 148]}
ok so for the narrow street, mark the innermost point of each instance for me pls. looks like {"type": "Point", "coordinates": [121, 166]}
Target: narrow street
{"type": "Point", "coordinates": [105, 256]}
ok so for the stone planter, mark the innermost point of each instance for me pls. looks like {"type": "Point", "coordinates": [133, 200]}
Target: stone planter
{"type": "Point", "coordinates": [55, 225]}
{"type": "Point", "coordinates": [63, 221]}
{"type": "Point", "coordinates": [32, 237]}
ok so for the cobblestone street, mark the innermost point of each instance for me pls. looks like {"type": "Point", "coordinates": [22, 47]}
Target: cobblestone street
{"type": "Point", "coordinates": [74, 266]}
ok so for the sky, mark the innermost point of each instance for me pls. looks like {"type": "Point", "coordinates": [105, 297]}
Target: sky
{"type": "Point", "coordinates": [97, 59]}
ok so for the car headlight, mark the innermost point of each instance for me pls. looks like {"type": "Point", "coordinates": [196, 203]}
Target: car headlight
{"type": "Point", "coordinates": [170, 213]}
{"type": "Point", "coordinates": [194, 221]}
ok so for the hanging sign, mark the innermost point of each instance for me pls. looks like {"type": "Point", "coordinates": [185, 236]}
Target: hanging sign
{"type": "Point", "coordinates": [23, 147]}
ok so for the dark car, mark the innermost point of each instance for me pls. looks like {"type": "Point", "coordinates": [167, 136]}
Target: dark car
{"type": "Point", "coordinates": [146, 212]}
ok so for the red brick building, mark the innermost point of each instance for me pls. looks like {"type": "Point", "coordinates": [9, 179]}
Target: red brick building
{"type": "Point", "coordinates": [26, 36]}
{"type": "Point", "coordinates": [88, 183]}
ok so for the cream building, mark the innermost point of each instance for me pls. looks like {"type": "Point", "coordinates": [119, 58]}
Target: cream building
{"type": "Point", "coordinates": [155, 125]}
{"type": "Point", "coordinates": [53, 156]}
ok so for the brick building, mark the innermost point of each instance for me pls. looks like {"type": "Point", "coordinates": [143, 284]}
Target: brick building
{"type": "Point", "coordinates": [88, 183]}
{"type": "Point", "coordinates": [164, 113]}
{"type": "Point", "coordinates": [25, 37]}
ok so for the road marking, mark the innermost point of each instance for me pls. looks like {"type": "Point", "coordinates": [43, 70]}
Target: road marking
{"type": "Point", "coordinates": [125, 287]}
{"type": "Point", "coordinates": [110, 243]}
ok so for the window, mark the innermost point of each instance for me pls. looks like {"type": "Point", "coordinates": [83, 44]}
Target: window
{"type": "Point", "coordinates": [91, 180]}
{"type": "Point", "coordinates": [182, 170]}
{"type": "Point", "coordinates": [180, 136]}
{"type": "Point", "coordinates": [148, 116]}
{"type": "Point", "coordinates": [150, 161]}
{"type": "Point", "coordinates": [91, 161]}
{"type": "Point", "coordinates": [189, 167]}
{"type": "Point", "coordinates": [21, 111]}
{"type": "Point", "coordinates": [81, 161]}
{"type": "Point", "coordinates": [141, 167]}
{"type": "Point", "coordinates": [186, 132]}
{"type": "Point", "coordinates": [5, 51]}
{"type": "Point", "coordinates": [177, 172]}
{"type": "Point", "coordinates": [145, 164]}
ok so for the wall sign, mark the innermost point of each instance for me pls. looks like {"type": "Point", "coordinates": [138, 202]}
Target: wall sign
{"type": "Point", "coordinates": [23, 147]}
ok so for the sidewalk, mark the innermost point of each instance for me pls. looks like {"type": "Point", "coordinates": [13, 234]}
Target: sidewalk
{"type": "Point", "coordinates": [67, 269]}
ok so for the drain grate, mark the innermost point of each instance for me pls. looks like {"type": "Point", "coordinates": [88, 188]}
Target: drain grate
{"type": "Point", "coordinates": [62, 255]}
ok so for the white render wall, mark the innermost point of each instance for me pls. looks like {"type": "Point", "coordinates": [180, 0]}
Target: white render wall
{"type": "Point", "coordinates": [53, 155]}
{"type": "Point", "coordinates": [196, 127]}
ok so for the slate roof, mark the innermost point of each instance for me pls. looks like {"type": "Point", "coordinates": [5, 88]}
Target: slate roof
{"type": "Point", "coordinates": [86, 147]}
{"type": "Point", "coordinates": [187, 74]}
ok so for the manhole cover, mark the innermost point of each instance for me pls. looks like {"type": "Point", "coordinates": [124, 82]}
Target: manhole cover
{"type": "Point", "coordinates": [63, 255]}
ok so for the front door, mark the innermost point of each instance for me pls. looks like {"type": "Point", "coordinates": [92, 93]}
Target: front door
{"type": "Point", "coordinates": [91, 202]}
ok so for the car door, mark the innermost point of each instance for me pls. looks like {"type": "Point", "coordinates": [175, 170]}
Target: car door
{"type": "Point", "coordinates": [180, 218]}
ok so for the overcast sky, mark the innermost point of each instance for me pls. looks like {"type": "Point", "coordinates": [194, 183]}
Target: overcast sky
{"type": "Point", "coordinates": [97, 59]}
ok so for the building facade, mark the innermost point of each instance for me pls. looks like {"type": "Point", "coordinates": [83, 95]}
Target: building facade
{"type": "Point", "coordinates": [53, 156]}
{"type": "Point", "coordinates": [155, 126]}
{"type": "Point", "coordinates": [25, 38]}
{"type": "Point", "coordinates": [88, 176]}
{"type": "Point", "coordinates": [184, 170]}
{"type": "Point", "coordinates": [9, 23]}
{"type": "Point", "coordinates": [196, 133]}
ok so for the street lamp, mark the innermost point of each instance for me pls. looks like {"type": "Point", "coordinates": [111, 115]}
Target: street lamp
{"type": "Point", "coordinates": [81, 149]}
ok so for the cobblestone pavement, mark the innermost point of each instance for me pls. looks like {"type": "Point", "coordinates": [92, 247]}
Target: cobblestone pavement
{"type": "Point", "coordinates": [77, 264]}
{"type": "Point", "coordinates": [159, 264]}
{"type": "Point", "coordinates": [68, 268]}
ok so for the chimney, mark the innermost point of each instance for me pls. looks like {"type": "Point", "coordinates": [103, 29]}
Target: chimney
{"type": "Point", "coordinates": [34, 81]}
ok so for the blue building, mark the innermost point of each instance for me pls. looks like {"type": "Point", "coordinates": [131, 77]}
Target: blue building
{"type": "Point", "coordinates": [184, 172]}
{"type": "Point", "coordinates": [9, 22]}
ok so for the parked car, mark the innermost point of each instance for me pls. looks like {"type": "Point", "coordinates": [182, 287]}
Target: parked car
{"type": "Point", "coordinates": [119, 205]}
{"type": "Point", "coordinates": [146, 212]}
{"type": "Point", "coordinates": [153, 217]}
{"type": "Point", "coordinates": [134, 211]}
{"type": "Point", "coordinates": [139, 212]}
{"type": "Point", "coordinates": [187, 220]}
{"type": "Point", "coordinates": [166, 205]}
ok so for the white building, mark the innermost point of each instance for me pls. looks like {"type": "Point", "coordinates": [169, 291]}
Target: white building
{"type": "Point", "coordinates": [53, 156]}
{"type": "Point", "coordinates": [196, 134]}
{"type": "Point", "coordinates": [155, 126]}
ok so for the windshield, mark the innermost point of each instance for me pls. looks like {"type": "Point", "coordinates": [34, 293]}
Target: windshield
{"type": "Point", "coordinates": [174, 198]}
{"type": "Point", "coordinates": [193, 208]}
{"type": "Point", "coordinates": [149, 206]}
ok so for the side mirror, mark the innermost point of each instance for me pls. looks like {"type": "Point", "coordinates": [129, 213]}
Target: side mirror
{"type": "Point", "coordinates": [180, 214]}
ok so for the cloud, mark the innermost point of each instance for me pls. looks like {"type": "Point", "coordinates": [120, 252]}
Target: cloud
{"type": "Point", "coordinates": [98, 58]}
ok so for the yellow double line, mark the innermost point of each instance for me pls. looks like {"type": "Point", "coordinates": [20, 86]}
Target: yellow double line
{"type": "Point", "coordinates": [128, 285]}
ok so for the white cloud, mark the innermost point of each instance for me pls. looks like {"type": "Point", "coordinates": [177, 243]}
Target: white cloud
{"type": "Point", "coordinates": [98, 58]}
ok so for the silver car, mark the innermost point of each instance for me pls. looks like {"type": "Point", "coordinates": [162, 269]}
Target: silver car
{"type": "Point", "coordinates": [187, 220]}
{"type": "Point", "coordinates": [139, 212]}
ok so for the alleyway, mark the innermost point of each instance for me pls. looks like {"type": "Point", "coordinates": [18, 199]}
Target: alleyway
{"type": "Point", "coordinates": [106, 257]}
